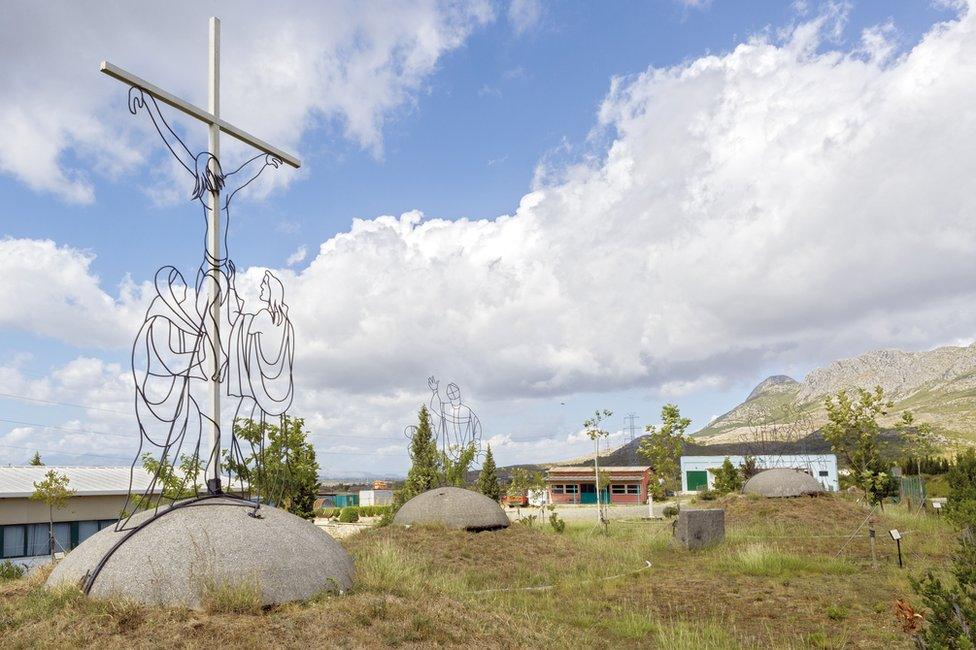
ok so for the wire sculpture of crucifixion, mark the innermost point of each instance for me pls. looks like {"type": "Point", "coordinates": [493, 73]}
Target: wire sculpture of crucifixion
{"type": "Point", "coordinates": [180, 345]}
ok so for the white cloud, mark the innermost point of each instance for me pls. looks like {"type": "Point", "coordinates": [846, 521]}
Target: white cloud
{"type": "Point", "coordinates": [51, 290]}
{"type": "Point", "coordinates": [286, 68]}
{"type": "Point", "coordinates": [524, 15]}
{"type": "Point", "coordinates": [297, 257]}
{"type": "Point", "coordinates": [782, 203]}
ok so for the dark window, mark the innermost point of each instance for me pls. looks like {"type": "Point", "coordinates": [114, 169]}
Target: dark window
{"type": "Point", "coordinates": [824, 472]}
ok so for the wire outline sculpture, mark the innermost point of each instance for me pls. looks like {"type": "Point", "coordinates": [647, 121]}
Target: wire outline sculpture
{"type": "Point", "coordinates": [170, 352]}
{"type": "Point", "coordinates": [458, 426]}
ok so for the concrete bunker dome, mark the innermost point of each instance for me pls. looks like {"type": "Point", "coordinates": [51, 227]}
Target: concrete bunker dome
{"type": "Point", "coordinates": [782, 482]}
{"type": "Point", "coordinates": [452, 507]}
{"type": "Point", "coordinates": [177, 554]}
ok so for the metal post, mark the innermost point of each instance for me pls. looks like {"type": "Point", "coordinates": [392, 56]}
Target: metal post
{"type": "Point", "coordinates": [874, 557]}
{"type": "Point", "coordinates": [898, 542]}
{"type": "Point", "coordinates": [213, 251]}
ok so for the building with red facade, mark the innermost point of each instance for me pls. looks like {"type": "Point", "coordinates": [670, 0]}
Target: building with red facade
{"type": "Point", "coordinates": [627, 485]}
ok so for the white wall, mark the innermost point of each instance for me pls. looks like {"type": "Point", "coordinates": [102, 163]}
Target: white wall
{"type": "Point", "coordinates": [815, 464]}
{"type": "Point", "coordinates": [375, 497]}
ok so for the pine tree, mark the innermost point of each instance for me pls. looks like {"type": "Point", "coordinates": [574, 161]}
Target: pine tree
{"type": "Point", "coordinates": [425, 472]}
{"type": "Point", "coordinates": [727, 478]}
{"type": "Point", "coordinates": [36, 459]}
{"type": "Point", "coordinates": [488, 478]}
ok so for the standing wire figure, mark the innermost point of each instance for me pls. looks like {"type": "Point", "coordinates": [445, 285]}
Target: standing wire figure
{"type": "Point", "coordinates": [174, 348]}
{"type": "Point", "coordinates": [458, 426]}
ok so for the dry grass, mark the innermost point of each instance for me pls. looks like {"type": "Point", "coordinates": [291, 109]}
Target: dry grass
{"type": "Point", "coordinates": [774, 583]}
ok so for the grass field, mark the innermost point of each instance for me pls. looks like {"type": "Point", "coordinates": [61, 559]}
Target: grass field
{"type": "Point", "coordinates": [780, 580]}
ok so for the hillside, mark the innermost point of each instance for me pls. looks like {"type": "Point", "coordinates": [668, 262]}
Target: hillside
{"type": "Point", "coordinates": [938, 386]}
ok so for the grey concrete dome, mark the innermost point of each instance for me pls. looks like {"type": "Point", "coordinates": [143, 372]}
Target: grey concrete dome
{"type": "Point", "coordinates": [175, 558]}
{"type": "Point", "coordinates": [452, 507]}
{"type": "Point", "coordinates": [782, 482]}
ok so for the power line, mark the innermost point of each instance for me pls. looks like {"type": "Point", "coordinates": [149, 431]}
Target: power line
{"type": "Point", "coordinates": [56, 403]}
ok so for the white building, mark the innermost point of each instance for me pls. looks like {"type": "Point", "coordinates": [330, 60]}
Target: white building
{"type": "Point", "coordinates": [100, 494]}
{"type": "Point", "coordinates": [695, 474]}
{"type": "Point", "coordinates": [375, 497]}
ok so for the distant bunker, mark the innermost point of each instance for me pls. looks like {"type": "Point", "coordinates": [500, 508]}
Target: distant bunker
{"type": "Point", "coordinates": [452, 507]}
{"type": "Point", "coordinates": [191, 551]}
{"type": "Point", "coordinates": [782, 482]}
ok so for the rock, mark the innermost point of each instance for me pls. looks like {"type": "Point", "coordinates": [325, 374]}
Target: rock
{"type": "Point", "coordinates": [700, 528]}
{"type": "Point", "coordinates": [452, 507]}
{"type": "Point", "coordinates": [782, 482]}
{"type": "Point", "coordinates": [177, 557]}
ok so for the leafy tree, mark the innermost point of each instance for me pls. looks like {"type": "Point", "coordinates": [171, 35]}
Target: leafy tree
{"type": "Point", "coordinates": [36, 459]}
{"type": "Point", "coordinates": [749, 468]}
{"type": "Point", "coordinates": [488, 478]}
{"type": "Point", "coordinates": [595, 431]}
{"type": "Point", "coordinates": [951, 622]}
{"type": "Point", "coordinates": [455, 472]}
{"type": "Point", "coordinates": [174, 484]}
{"type": "Point", "coordinates": [727, 478]}
{"type": "Point", "coordinates": [961, 502]}
{"type": "Point", "coordinates": [54, 492]}
{"type": "Point", "coordinates": [853, 432]}
{"type": "Point", "coordinates": [424, 471]}
{"type": "Point", "coordinates": [518, 483]}
{"type": "Point", "coordinates": [663, 446]}
{"type": "Point", "coordinates": [285, 473]}
{"type": "Point", "coordinates": [918, 438]}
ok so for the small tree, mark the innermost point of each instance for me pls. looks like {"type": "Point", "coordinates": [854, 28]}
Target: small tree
{"type": "Point", "coordinates": [455, 471]}
{"type": "Point", "coordinates": [488, 478]}
{"type": "Point", "coordinates": [961, 503]}
{"type": "Point", "coordinates": [853, 432]}
{"type": "Point", "coordinates": [749, 468]}
{"type": "Point", "coordinates": [663, 446]}
{"type": "Point", "coordinates": [53, 491]}
{"type": "Point", "coordinates": [36, 459]}
{"type": "Point", "coordinates": [285, 472]}
{"type": "Point", "coordinates": [424, 472]}
{"type": "Point", "coordinates": [595, 432]}
{"type": "Point", "coordinates": [727, 478]}
{"type": "Point", "coordinates": [951, 622]}
{"type": "Point", "coordinates": [518, 483]}
{"type": "Point", "coordinates": [919, 439]}
{"type": "Point", "coordinates": [174, 484]}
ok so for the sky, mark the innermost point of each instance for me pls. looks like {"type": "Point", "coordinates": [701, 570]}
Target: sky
{"type": "Point", "coordinates": [559, 206]}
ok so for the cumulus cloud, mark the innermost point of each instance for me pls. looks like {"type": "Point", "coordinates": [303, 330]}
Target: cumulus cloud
{"type": "Point", "coordinates": [51, 290]}
{"type": "Point", "coordinates": [286, 68]}
{"type": "Point", "coordinates": [784, 202]}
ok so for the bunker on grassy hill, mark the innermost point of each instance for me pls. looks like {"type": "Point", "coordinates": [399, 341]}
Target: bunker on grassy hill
{"type": "Point", "coordinates": [452, 507]}
{"type": "Point", "coordinates": [782, 482]}
{"type": "Point", "coordinates": [190, 552]}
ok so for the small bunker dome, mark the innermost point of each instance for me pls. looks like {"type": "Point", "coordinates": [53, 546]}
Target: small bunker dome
{"type": "Point", "coordinates": [782, 482]}
{"type": "Point", "coordinates": [452, 507]}
{"type": "Point", "coordinates": [176, 557]}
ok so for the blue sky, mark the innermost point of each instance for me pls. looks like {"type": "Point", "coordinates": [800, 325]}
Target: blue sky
{"type": "Point", "coordinates": [468, 136]}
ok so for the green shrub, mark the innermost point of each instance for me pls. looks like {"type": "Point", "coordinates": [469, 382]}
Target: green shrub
{"type": "Point", "coordinates": [836, 612]}
{"type": "Point", "coordinates": [951, 621]}
{"type": "Point", "coordinates": [671, 511]}
{"type": "Point", "coordinates": [961, 505]}
{"type": "Point", "coordinates": [707, 495]}
{"type": "Point", "coordinates": [10, 571]}
{"type": "Point", "coordinates": [557, 524]}
{"type": "Point", "coordinates": [349, 515]}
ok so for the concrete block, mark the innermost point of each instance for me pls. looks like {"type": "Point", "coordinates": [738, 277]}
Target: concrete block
{"type": "Point", "coordinates": [700, 528]}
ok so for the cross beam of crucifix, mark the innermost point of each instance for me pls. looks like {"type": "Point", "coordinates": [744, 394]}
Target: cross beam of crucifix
{"type": "Point", "coordinates": [210, 117]}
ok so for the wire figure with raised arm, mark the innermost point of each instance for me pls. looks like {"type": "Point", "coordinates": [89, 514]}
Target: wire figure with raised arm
{"type": "Point", "coordinates": [457, 425]}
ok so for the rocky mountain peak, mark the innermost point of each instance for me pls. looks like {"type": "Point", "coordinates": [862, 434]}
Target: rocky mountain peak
{"type": "Point", "coordinates": [774, 384]}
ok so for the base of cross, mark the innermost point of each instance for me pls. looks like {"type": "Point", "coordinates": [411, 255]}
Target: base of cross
{"type": "Point", "coordinates": [186, 554]}
{"type": "Point", "coordinates": [213, 486]}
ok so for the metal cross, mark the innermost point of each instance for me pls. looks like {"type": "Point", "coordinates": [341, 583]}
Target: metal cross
{"type": "Point", "coordinates": [215, 124]}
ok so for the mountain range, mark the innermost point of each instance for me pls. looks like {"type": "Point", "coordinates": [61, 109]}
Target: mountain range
{"type": "Point", "coordinates": [938, 386]}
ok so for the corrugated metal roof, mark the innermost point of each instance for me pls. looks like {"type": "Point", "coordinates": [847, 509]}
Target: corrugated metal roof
{"type": "Point", "coordinates": [85, 481]}
{"type": "Point", "coordinates": [631, 468]}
